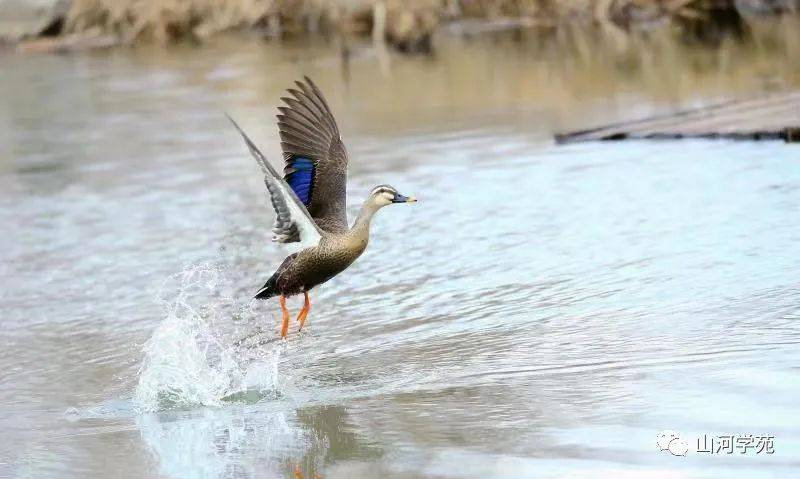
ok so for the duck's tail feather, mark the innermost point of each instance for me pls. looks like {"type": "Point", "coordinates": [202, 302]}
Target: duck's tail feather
{"type": "Point", "coordinates": [268, 290]}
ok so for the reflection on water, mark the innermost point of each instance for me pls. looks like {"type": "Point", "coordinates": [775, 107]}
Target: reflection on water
{"type": "Point", "coordinates": [232, 442]}
{"type": "Point", "coordinates": [550, 308]}
{"type": "Point", "coordinates": [263, 440]}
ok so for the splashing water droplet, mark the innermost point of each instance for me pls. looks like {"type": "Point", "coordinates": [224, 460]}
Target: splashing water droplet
{"type": "Point", "coordinates": [72, 414]}
{"type": "Point", "coordinates": [190, 359]}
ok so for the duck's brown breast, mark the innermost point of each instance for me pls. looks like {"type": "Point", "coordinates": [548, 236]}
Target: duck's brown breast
{"type": "Point", "coordinates": [332, 256]}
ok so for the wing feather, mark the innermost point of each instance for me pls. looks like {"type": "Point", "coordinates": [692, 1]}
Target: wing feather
{"type": "Point", "coordinates": [308, 131]}
{"type": "Point", "coordinates": [297, 129]}
{"type": "Point", "coordinates": [303, 111]}
{"type": "Point", "coordinates": [315, 96]}
{"type": "Point", "coordinates": [292, 221]}
{"type": "Point", "coordinates": [321, 112]}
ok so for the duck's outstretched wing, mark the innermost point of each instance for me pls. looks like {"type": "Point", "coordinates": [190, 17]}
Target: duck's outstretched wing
{"type": "Point", "coordinates": [316, 159]}
{"type": "Point", "coordinates": [292, 221]}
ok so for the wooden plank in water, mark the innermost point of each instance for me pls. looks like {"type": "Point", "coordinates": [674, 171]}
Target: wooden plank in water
{"type": "Point", "coordinates": [771, 117]}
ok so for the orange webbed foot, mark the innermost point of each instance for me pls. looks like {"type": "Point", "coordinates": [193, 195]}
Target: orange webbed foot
{"type": "Point", "coordinates": [285, 325]}
{"type": "Point", "coordinates": [301, 318]}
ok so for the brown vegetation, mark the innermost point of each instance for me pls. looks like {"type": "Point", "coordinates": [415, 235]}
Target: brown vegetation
{"type": "Point", "coordinates": [406, 24]}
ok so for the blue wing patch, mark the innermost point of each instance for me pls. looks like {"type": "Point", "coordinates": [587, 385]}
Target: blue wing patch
{"type": "Point", "coordinates": [302, 179]}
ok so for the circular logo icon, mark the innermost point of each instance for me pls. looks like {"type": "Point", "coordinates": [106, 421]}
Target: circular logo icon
{"type": "Point", "coordinates": [671, 441]}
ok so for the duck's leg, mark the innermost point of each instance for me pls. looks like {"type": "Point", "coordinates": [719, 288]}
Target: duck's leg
{"type": "Point", "coordinates": [301, 318]}
{"type": "Point", "coordinates": [285, 326]}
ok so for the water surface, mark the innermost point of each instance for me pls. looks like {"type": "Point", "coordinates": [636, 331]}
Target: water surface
{"type": "Point", "coordinates": [543, 311]}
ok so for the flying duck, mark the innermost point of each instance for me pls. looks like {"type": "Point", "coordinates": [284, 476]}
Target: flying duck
{"type": "Point", "coordinates": [310, 199]}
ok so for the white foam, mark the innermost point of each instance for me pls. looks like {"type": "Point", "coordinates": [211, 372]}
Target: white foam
{"type": "Point", "coordinates": [191, 359]}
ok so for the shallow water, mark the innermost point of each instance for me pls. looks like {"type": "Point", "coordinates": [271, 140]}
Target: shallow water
{"type": "Point", "coordinates": [543, 311]}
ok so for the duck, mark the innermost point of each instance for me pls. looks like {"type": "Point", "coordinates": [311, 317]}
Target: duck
{"type": "Point", "coordinates": [310, 200]}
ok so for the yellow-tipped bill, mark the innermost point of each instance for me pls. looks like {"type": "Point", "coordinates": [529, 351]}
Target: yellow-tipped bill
{"type": "Point", "coordinates": [398, 198]}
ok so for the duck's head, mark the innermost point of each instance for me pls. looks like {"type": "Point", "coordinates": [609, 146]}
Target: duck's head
{"type": "Point", "coordinates": [384, 195]}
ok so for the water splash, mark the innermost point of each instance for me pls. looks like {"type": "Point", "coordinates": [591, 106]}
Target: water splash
{"type": "Point", "coordinates": [192, 358]}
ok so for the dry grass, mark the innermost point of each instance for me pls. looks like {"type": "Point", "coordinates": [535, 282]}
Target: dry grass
{"type": "Point", "coordinates": [399, 20]}
{"type": "Point", "coordinates": [168, 20]}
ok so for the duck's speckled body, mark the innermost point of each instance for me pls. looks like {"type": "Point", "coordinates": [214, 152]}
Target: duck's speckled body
{"type": "Point", "coordinates": [313, 266]}
{"type": "Point", "coordinates": [310, 199]}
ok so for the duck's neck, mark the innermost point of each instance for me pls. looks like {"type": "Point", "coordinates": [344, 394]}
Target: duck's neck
{"type": "Point", "coordinates": [361, 225]}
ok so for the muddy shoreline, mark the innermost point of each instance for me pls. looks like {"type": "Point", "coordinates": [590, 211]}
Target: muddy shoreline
{"type": "Point", "coordinates": [406, 26]}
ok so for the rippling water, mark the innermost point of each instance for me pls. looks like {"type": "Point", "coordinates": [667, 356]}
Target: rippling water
{"type": "Point", "coordinates": [543, 311]}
